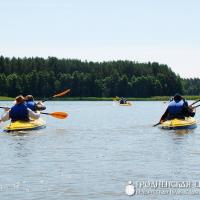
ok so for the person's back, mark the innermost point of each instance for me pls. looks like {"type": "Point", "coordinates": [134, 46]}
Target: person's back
{"type": "Point", "coordinates": [175, 109]}
{"type": "Point", "coordinates": [181, 107]}
{"type": "Point", "coordinates": [30, 103]}
{"type": "Point", "coordinates": [121, 100]}
{"type": "Point", "coordinates": [19, 111]}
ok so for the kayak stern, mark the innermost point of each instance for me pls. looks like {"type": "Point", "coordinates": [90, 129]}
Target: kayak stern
{"type": "Point", "coordinates": [24, 126]}
{"type": "Point", "coordinates": [177, 124]}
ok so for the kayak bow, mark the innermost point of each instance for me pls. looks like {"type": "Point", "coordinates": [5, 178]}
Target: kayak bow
{"type": "Point", "coordinates": [126, 104]}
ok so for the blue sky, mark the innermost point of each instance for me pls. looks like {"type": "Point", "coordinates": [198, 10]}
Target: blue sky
{"type": "Point", "coordinates": [166, 31]}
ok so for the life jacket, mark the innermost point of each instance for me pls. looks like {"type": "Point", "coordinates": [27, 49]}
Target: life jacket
{"type": "Point", "coordinates": [19, 112]}
{"type": "Point", "coordinates": [31, 105]}
{"type": "Point", "coordinates": [121, 101]}
{"type": "Point", "coordinates": [175, 108]}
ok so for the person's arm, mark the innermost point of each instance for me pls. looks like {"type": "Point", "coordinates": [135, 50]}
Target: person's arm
{"type": "Point", "coordinates": [185, 103]}
{"type": "Point", "coordinates": [33, 115]}
{"type": "Point", "coordinates": [5, 116]}
{"type": "Point", "coordinates": [192, 112]}
{"type": "Point", "coordinates": [188, 111]}
{"type": "Point", "coordinates": [40, 106]}
{"type": "Point", "coordinates": [164, 116]}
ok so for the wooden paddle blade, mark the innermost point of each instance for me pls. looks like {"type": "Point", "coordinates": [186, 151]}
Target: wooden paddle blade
{"type": "Point", "coordinates": [59, 115]}
{"type": "Point", "coordinates": [62, 93]}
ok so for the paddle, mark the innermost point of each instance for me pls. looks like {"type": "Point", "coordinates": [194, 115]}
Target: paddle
{"type": "Point", "coordinates": [196, 106]}
{"type": "Point", "coordinates": [4, 107]}
{"type": "Point", "coordinates": [59, 115]}
{"type": "Point", "coordinates": [57, 95]}
{"type": "Point", "coordinates": [195, 102]}
{"type": "Point", "coordinates": [156, 124]}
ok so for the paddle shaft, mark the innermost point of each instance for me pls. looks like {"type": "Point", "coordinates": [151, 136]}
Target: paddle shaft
{"type": "Point", "coordinates": [4, 107]}
{"type": "Point", "coordinates": [195, 102]}
{"type": "Point", "coordinates": [49, 98]}
{"type": "Point", "coordinates": [45, 113]}
{"type": "Point", "coordinates": [156, 124]}
{"type": "Point", "coordinates": [57, 95]}
{"type": "Point", "coordinates": [196, 106]}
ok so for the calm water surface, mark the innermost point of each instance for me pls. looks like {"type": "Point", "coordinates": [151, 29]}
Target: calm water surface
{"type": "Point", "coordinates": [95, 152]}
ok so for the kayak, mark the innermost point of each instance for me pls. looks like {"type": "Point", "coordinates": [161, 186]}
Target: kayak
{"type": "Point", "coordinates": [25, 126]}
{"type": "Point", "coordinates": [187, 123]}
{"type": "Point", "coordinates": [126, 104]}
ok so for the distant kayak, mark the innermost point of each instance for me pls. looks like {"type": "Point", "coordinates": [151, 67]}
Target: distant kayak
{"type": "Point", "coordinates": [126, 104]}
{"type": "Point", "coordinates": [25, 126]}
{"type": "Point", "coordinates": [187, 123]}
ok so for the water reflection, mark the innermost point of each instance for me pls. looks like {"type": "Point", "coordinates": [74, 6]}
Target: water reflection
{"type": "Point", "coordinates": [183, 131]}
{"type": "Point", "coordinates": [20, 146]}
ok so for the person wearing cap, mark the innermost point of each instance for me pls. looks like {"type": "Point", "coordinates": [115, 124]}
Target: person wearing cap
{"type": "Point", "coordinates": [19, 112]}
{"type": "Point", "coordinates": [30, 103]}
{"type": "Point", "coordinates": [177, 108]}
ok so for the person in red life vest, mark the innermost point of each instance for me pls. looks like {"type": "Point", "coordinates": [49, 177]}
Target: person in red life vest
{"type": "Point", "coordinates": [19, 112]}
{"type": "Point", "coordinates": [30, 103]}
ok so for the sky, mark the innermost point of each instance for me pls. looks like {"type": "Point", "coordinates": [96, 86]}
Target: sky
{"type": "Point", "coordinates": [164, 31]}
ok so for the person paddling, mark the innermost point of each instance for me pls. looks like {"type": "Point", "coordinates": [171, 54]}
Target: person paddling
{"type": "Point", "coordinates": [30, 103]}
{"type": "Point", "coordinates": [122, 101]}
{"type": "Point", "coordinates": [177, 108]}
{"type": "Point", "coordinates": [19, 112]}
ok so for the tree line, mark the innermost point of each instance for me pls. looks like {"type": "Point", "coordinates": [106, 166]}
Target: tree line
{"type": "Point", "coordinates": [191, 86]}
{"type": "Point", "coordinates": [43, 77]}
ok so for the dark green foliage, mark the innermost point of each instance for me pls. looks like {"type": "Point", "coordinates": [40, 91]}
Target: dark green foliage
{"type": "Point", "coordinates": [191, 86]}
{"type": "Point", "coordinates": [44, 77]}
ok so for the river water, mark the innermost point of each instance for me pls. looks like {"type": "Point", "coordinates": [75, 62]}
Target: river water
{"type": "Point", "coordinates": [95, 152]}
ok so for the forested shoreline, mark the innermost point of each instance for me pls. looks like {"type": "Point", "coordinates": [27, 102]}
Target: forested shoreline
{"type": "Point", "coordinates": [43, 77]}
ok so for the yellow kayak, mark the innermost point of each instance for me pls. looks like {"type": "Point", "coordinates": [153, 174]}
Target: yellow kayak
{"type": "Point", "coordinates": [25, 126]}
{"type": "Point", "coordinates": [126, 104]}
{"type": "Point", "coordinates": [187, 123]}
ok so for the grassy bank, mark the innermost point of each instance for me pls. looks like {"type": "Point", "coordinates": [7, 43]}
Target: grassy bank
{"type": "Point", "coordinates": [156, 98]}
{"type": "Point", "coordinates": [6, 98]}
